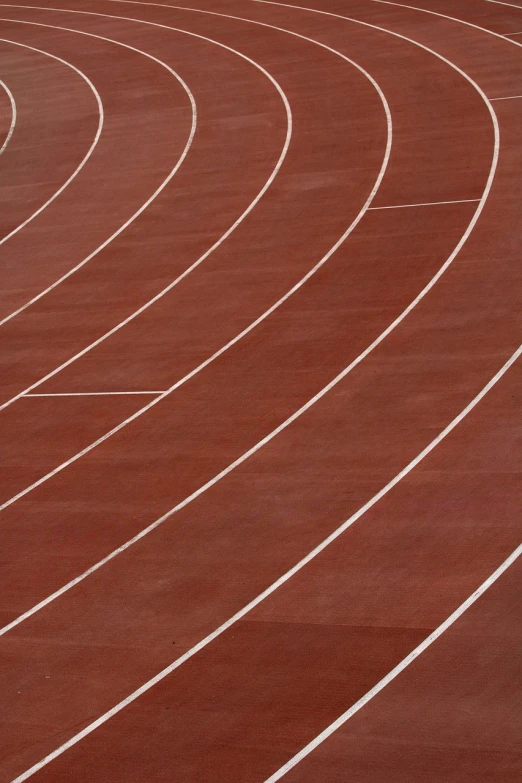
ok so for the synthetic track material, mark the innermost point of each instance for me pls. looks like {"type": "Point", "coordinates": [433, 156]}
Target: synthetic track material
{"type": "Point", "coordinates": [430, 518]}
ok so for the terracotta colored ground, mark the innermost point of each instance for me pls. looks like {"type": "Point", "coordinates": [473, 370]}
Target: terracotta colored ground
{"type": "Point", "coordinates": [281, 292]}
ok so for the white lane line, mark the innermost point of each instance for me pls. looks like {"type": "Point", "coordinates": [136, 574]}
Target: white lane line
{"type": "Point", "coordinates": [506, 98]}
{"type": "Point", "coordinates": [275, 585]}
{"type": "Point", "coordinates": [422, 647]}
{"type": "Point", "coordinates": [13, 116]}
{"type": "Point", "coordinates": [429, 203]}
{"type": "Point", "coordinates": [508, 34]}
{"type": "Point", "coordinates": [216, 244]}
{"type": "Point", "coordinates": [88, 154]}
{"type": "Point", "coordinates": [92, 394]}
{"type": "Point", "coordinates": [58, 192]}
{"type": "Point", "coordinates": [446, 16]}
{"type": "Point", "coordinates": [264, 315]}
{"type": "Point", "coordinates": [314, 399]}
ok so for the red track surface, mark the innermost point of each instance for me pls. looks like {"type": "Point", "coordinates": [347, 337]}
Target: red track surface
{"type": "Point", "coordinates": [319, 392]}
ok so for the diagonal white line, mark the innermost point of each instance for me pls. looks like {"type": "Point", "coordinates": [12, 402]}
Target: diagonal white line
{"type": "Point", "coordinates": [422, 647]}
{"type": "Point", "coordinates": [92, 394]}
{"type": "Point", "coordinates": [429, 203]}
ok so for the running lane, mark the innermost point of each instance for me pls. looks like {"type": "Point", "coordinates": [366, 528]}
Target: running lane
{"type": "Point", "coordinates": [180, 583]}
{"type": "Point", "coordinates": [144, 133]}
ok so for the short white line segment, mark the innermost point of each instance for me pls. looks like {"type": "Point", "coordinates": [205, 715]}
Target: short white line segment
{"type": "Point", "coordinates": [92, 394]}
{"type": "Point", "coordinates": [506, 98]}
{"type": "Point", "coordinates": [12, 124]}
{"type": "Point", "coordinates": [342, 719]}
{"type": "Point", "coordinates": [429, 204]}
{"type": "Point", "coordinates": [144, 206]}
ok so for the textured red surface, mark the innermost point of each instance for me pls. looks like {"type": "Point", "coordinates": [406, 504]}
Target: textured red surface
{"type": "Point", "coordinates": [246, 703]}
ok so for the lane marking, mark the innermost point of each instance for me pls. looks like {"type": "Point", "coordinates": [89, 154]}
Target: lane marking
{"type": "Point", "coordinates": [508, 34]}
{"type": "Point", "coordinates": [92, 394]}
{"type": "Point", "coordinates": [13, 116]}
{"type": "Point", "coordinates": [91, 150]}
{"type": "Point", "coordinates": [506, 98]}
{"type": "Point", "coordinates": [422, 647]}
{"type": "Point", "coordinates": [258, 320]}
{"type": "Point", "coordinates": [429, 204]}
{"type": "Point", "coordinates": [275, 585]}
{"type": "Point", "coordinates": [216, 244]}
{"type": "Point", "coordinates": [72, 583]}
{"type": "Point", "coordinates": [88, 154]}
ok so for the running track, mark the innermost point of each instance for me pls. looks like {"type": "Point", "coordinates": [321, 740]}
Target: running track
{"type": "Point", "coordinates": [260, 398]}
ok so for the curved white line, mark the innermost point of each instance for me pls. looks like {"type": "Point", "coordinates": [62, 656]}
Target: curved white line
{"type": "Point", "coordinates": [445, 16]}
{"type": "Point", "coordinates": [91, 150]}
{"type": "Point", "coordinates": [251, 326]}
{"type": "Point", "coordinates": [190, 653]}
{"type": "Point", "coordinates": [301, 410]}
{"type": "Point", "coordinates": [509, 5]}
{"type": "Point", "coordinates": [13, 116]}
{"type": "Point", "coordinates": [448, 622]}
{"type": "Point", "coordinates": [216, 244]}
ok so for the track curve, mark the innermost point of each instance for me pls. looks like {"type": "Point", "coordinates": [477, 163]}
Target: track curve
{"type": "Point", "coordinates": [299, 605]}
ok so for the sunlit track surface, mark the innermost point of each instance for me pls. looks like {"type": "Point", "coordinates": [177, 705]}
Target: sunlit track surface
{"type": "Point", "coordinates": [299, 560]}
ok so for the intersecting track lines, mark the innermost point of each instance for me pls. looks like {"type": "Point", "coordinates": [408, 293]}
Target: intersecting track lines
{"type": "Point", "coordinates": [12, 124]}
{"type": "Point", "coordinates": [88, 155]}
{"type": "Point", "coordinates": [297, 286]}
